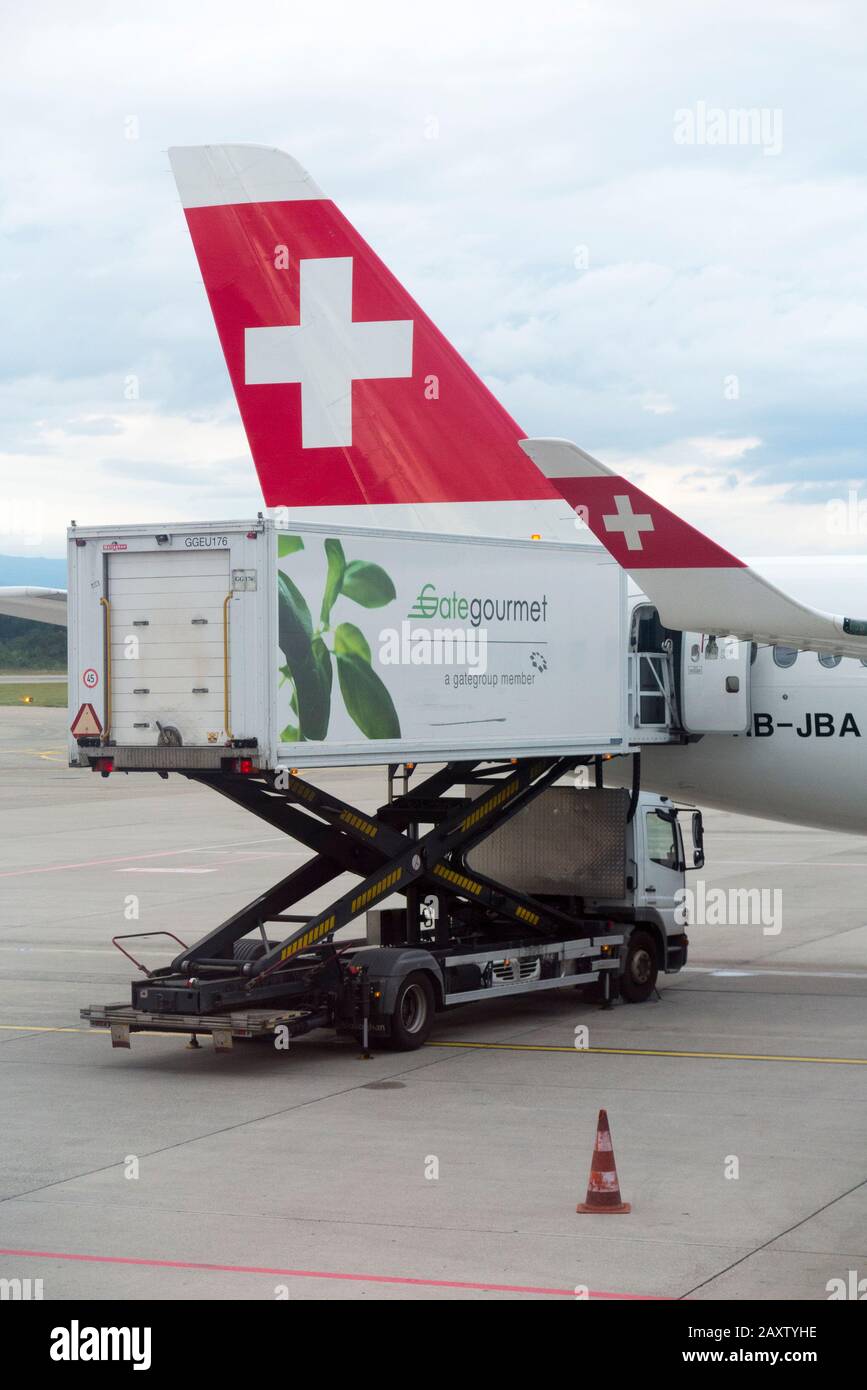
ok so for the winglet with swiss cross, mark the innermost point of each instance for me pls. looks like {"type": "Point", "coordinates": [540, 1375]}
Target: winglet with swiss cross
{"type": "Point", "coordinates": [695, 584]}
{"type": "Point", "coordinates": [640, 533]}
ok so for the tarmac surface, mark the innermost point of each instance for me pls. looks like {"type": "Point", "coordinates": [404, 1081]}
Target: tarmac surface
{"type": "Point", "coordinates": [737, 1100]}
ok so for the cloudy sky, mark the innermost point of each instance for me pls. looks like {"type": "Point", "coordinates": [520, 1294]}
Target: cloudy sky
{"type": "Point", "coordinates": [566, 188]}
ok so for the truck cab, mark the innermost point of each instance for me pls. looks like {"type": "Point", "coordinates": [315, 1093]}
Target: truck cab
{"type": "Point", "coordinates": [653, 900]}
{"type": "Point", "coordinates": [598, 852]}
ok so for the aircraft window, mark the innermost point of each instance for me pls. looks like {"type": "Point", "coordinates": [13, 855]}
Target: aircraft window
{"type": "Point", "coordinates": [662, 845]}
{"type": "Point", "coordinates": [785, 656]}
{"type": "Point", "coordinates": [826, 659]}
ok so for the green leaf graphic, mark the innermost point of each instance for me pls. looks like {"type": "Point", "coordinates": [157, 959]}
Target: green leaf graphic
{"type": "Point", "coordinates": [295, 635]}
{"type": "Point", "coordinates": [322, 657]}
{"type": "Point", "coordinates": [336, 568]}
{"type": "Point", "coordinates": [290, 734]}
{"type": "Point", "coordinates": [348, 638]}
{"type": "Point", "coordinates": [287, 545]}
{"type": "Point", "coordinates": [367, 700]}
{"type": "Point", "coordinates": [368, 584]}
{"type": "Point", "coordinates": [294, 615]}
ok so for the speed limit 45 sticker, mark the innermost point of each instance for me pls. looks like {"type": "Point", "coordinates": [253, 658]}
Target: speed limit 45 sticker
{"type": "Point", "coordinates": [90, 678]}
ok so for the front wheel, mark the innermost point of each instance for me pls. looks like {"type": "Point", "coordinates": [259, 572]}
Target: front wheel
{"type": "Point", "coordinates": [640, 969]}
{"type": "Point", "coordinates": [413, 1014]}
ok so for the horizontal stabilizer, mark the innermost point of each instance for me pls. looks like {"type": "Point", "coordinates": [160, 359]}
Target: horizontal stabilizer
{"type": "Point", "coordinates": [696, 585]}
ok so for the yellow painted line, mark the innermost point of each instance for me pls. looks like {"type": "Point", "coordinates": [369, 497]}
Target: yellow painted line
{"type": "Point", "coordinates": [520, 1047]}
{"type": "Point", "coordinates": [23, 1028]}
{"type": "Point", "coordinates": [655, 1052]}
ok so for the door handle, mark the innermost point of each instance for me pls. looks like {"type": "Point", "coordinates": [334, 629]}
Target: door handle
{"type": "Point", "coordinates": [651, 888]}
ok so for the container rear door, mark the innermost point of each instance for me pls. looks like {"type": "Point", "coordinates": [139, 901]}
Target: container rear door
{"type": "Point", "coordinates": [167, 647]}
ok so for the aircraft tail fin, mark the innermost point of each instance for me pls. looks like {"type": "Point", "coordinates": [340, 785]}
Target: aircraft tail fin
{"type": "Point", "coordinates": [349, 393]}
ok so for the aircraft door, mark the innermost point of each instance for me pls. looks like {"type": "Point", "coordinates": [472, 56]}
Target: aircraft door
{"type": "Point", "coordinates": [714, 684]}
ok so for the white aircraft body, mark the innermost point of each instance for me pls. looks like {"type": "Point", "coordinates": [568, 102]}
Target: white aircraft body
{"type": "Point", "coordinates": [801, 757]}
{"type": "Point", "coordinates": [749, 688]}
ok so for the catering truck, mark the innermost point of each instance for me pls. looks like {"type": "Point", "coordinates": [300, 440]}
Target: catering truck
{"type": "Point", "coordinates": [245, 656]}
{"type": "Point", "coordinates": [577, 887]}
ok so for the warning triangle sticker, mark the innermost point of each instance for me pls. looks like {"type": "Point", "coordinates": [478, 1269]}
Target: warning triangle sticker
{"type": "Point", "coordinates": [86, 724]}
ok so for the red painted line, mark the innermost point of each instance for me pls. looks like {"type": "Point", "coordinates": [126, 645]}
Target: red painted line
{"type": "Point", "coordinates": [320, 1274]}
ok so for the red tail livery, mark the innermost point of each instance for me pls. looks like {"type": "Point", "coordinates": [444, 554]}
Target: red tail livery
{"type": "Point", "coordinates": [348, 392]}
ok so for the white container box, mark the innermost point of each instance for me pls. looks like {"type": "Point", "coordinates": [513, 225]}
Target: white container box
{"type": "Point", "coordinates": [313, 645]}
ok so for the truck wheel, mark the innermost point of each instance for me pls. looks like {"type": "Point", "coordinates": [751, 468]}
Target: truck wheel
{"type": "Point", "coordinates": [413, 1014]}
{"type": "Point", "coordinates": [640, 969]}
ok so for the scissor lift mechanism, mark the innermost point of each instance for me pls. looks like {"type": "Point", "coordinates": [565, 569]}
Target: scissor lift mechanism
{"type": "Point", "coordinates": [306, 980]}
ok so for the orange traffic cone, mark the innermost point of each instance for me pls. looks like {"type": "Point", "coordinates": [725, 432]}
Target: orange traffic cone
{"type": "Point", "coordinates": [603, 1190]}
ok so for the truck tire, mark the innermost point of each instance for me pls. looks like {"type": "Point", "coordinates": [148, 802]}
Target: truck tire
{"type": "Point", "coordinates": [413, 1014]}
{"type": "Point", "coordinates": [640, 968]}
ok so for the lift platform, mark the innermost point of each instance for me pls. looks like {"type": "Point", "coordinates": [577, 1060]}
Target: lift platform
{"type": "Point", "coordinates": [460, 936]}
{"type": "Point", "coordinates": [121, 1020]}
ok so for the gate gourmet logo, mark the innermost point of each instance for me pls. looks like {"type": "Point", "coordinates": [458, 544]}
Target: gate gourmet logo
{"type": "Point", "coordinates": [456, 646]}
{"type": "Point", "coordinates": [429, 604]}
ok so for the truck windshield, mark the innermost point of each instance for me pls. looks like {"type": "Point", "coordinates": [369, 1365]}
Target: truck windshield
{"type": "Point", "coordinates": [662, 845]}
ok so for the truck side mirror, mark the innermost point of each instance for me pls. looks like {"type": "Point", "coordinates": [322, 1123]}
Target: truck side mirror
{"type": "Point", "coordinates": [697, 840]}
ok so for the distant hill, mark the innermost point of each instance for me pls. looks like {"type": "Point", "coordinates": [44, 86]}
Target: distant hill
{"type": "Point", "coordinates": [33, 569]}
{"type": "Point", "coordinates": [27, 646]}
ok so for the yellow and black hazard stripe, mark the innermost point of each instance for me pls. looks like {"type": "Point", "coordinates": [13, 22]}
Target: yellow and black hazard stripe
{"type": "Point", "coordinates": [309, 938]}
{"type": "Point", "coordinates": [468, 885]}
{"type": "Point", "coordinates": [500, 797]}
{"type": "Point", "coordinates": [359, 823]}
{"type": "Point", "coordinates": [527, 916]}
{"type": "Point", "coordinates": [376, 890]}
{"type": "Point", "coordinates": [490, 803]}
{"type": "Point", "coordinates": [301, 789]}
